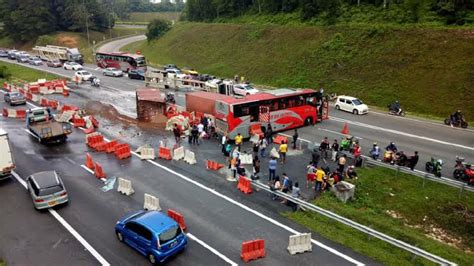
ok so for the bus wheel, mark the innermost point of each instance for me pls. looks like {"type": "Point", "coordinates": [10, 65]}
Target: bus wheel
{"type": "Point", "coordinates": [308, 121]}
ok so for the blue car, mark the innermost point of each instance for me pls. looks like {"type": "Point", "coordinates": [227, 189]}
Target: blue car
{"type": "Point", "coordinates": [151, 233]}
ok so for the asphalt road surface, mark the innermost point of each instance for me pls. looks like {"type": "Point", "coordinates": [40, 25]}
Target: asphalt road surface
{"type": "Point", "coordinates": [116, 45]}
{"type": "Point", "coordinates": [429, 138]}
{"type": "Point", "coordinates": [217, 222]}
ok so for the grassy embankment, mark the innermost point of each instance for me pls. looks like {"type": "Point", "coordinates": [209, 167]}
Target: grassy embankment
{"type": "Point", "coordinates": [21, 73]}
{"type": "Point", "coordinates": [427, 69]}
{"type": "Point", "coordinates": [431, 216]}
{"type": "Point", "coordinates": [74, 39]}
{"type": "Point", "coordinates": [143, 18]}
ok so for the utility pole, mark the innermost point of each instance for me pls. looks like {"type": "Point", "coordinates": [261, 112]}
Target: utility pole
{"type": "Point", "coordinates": [86, 15]}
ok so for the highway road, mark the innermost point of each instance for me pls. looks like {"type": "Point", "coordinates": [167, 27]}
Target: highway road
{"type": "Point", "coordinates": [219, 218]}
{"type": "Point", "coordinates": [429, 138]}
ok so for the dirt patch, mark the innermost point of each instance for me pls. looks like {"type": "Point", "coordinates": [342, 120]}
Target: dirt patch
{"type": "Point", "coordinates": [67, 40]}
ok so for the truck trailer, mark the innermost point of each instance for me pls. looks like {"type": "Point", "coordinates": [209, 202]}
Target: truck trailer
{"type": "Point", "coordinates": [51, 52]}
{"type": "Point", "coordinates": [7, 164]}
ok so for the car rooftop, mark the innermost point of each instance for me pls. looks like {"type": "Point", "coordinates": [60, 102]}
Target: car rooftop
{"type": "Point", "coordinates": [155, 220]}
{"type": "Point", "coordinates": [46, 179]}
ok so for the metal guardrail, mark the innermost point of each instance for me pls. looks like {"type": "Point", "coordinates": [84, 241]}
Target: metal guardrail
{"type": "Point", "coordinates": [368, 160]}
{"type": "Point", "coordinates": [362, 228]}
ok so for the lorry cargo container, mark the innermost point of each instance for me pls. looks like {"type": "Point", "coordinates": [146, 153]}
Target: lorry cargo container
{"type": "Point", "coordinates": [204, 102]}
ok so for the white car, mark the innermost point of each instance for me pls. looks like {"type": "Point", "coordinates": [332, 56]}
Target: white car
{"type": "Point", "coordinates": [244, 89]}
{"type": "Point", "coordinates": [83, 75]}
{"type": "Point", "coordinates": [114, 72]}
{"type": "Point", "coordinates": [351, 104]}
{"type": "Point", "coordinates": [72, 66]}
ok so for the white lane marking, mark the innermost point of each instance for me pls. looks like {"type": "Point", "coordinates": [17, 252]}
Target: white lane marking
{"type": "Point", "coordinates": [68, 227]}
{"type": "Point", "coordinates": [213, 250]}
{"type": "Point", "coordinates": [287, 228]}
{"type": "Point", "coordinates": [87, 169]}
{"type": "Point", "coordinates": [34, 105]}
{"type": "Point", "coordinates": [335, 132]}
{"type": "Point", "coordinates": [401, 133]}
{"type": "Point", "coordinates": [78, 237]}
{"type": "Point", "coordinates": [70, 160]}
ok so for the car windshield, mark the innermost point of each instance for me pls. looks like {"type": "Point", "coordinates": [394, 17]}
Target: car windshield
{"type": "Point", "coordinates": [50, 190]}
{"type": "Point", "coordinates": [86, 73]}
{"type": "Point", "coordinates": [141, 72]}
{"type": "Point", "coordinates": [247, 87]}
{"type": "Point", "coordinates": [15, 94]}
{"type": "Point", "coordinates": [357, 102]}
{"type": "Point", "coordinates": [72, 63]}
{"type": "Point", "coordinates": [170, 234]}
{"type": "Point", "coordinates": [112, 69]}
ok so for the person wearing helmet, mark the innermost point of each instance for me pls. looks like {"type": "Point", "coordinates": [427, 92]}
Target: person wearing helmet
{"type": "Point", "coordinates": [375, 151]}
{"type": "Point", "coordinates": [391, 147]}
{"type": "Point", "coordinates": [395, 107]}
{"type": "Point", "coordinates": [456, 117]}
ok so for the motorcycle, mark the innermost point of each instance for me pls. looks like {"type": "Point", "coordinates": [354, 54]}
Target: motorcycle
{"type": "Point", "coordinates": [463, 170]}
{"type": "Point", "coordinates": [394, 111]}
{"type": "Point", "coordinates": [457, 123]}
{"type": "Point", "coordinates": [401, 159]}
{"type": "Point", "coordinates": [434, 167]}
{"type": "Point", "coordinates": [95, 82]}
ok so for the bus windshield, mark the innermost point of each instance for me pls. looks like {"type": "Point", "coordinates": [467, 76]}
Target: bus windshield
{"type": "Point", "coordinates": [140, 61]}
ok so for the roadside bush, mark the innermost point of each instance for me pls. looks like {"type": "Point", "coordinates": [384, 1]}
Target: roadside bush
{"type": "Point", "coordinates": [5, 72]}
{"type": "Point", "coordinates": [157, 28]}
{"type": "Point", "coordinates": [44, 40]}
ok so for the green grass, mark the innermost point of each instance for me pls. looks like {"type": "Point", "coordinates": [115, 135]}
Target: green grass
{"type": "Point", "coordinates": [419, 207]}
{"type": "Point", "coordinates": [149, 16]}
{"type": "Point", "coordinates": [425, 68]}
{"type": "Point", "coordinates": [22, 73]}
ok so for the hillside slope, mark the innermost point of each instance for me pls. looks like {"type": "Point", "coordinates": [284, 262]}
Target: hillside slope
{"type": "Point", "coordinates": [429, 70]}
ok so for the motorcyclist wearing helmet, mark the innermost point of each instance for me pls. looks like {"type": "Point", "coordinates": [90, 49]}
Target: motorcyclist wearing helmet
{"type": "Point", "coordinates": [391, 147]}
{"type": "Point", "coordinates": [456, 117]}
{"type": "Point", "coordinates": [395, 107]}
{"type": "Point", "coordinates": [375, 151]}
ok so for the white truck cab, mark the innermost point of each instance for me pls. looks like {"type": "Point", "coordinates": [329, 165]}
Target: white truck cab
{"type": "Point", "coordinates": [7, 164]}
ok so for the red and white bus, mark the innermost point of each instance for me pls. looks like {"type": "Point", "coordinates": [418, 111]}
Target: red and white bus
{"type": "Point", "coordinates": [123, 61]}
{"type": "Point", "coordinates": [283, 109]}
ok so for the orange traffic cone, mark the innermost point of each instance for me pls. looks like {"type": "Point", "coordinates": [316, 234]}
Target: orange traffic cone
{"type": "Point", "coordinates": [89, 162]}
{"type": "Point", "coordinates": [345, 129]}
{"type": "Point", "coordinates": [99, 173]}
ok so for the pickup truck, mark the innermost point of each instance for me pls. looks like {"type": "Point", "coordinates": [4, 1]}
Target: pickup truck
{"type": "Point", "coordinates": [7, 165]}
{"type": "Point", "coordinates": [42, 125]}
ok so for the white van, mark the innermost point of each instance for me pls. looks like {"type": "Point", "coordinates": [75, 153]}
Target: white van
{"type": "Point", "coordinates": [6, 159]}
{"type": "Point", "coordinates": [351, 104]}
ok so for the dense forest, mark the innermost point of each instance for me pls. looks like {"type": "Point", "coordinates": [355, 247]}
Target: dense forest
{"type": "Point", "coordinates": [25, 20]}
{"type": "Point", "coordinates": [333, 11]}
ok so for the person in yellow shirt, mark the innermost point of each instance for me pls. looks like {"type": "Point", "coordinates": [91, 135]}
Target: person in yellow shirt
{"type": "Point", "coordinates": [320, 174]}
{"type": "Point", "coordinates": [283, 149]}
{"type": "Point", "coordinates": [238, 140]}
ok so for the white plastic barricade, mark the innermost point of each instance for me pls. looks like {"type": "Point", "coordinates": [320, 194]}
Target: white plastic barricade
{"type": "Point", "coordinates": [43, 90]}
{"type": "Point", "coordinates": [152, 203]}
{"type": "Point", "coordinates": [189, 157]}
{"type": "Point", "coordinates": [246, 158]}
{"type": "Point", "coordinates": [35, 97]}
{"type": "Point", "coordinates": [125, 186]}
{"type": "Point", "coordinates": [178, 153]}
{"type": "Point", "coordinates": [58, 89]}
{"type": "Point", "coordinates": [11, 113]}
{"type": "Point", "coordinates": [147, 153]}
{"type": "Point", "coordinates": [65, 116]}
{"type": "Point", "coordinates": [300, 243]}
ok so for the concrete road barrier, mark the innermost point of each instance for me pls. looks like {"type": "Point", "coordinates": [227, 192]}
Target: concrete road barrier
{"type": "Point", "coordinates": [300, 243]}
{"type": "Point", "coordinates": [246, 158]}
{"type": "Point", "coordinates": [147, 153]}
{"type": "Point", "coordinates": [151, 203]}
{"type": "Point", "coordinates": [189, 157]}
{"type": "Point", "coordinates": [125, 187]}
{"type": "Point", "coordinates": [178, 153]}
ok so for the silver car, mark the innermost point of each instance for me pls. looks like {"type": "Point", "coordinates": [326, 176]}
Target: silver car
{"type": "Point", "coordinates": [46, 189]}
{"type": "Point", "coordinates": [14, 98]}
{"type": "Point", "coordinates": [114, 72]}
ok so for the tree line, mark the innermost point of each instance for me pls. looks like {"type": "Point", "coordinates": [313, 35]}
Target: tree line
{"type": "Point", "coordinates": [451, 11]}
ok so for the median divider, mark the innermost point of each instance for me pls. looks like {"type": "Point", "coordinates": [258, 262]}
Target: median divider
{"type": "Point", "coordinates": [122, 151]}
{"type": "Point", "coordinates": [178, 153]}
{"type": "Point", "coordinates": [179, 218]}
{"type": "Point", "coordinates": [125, 186]}
{"type": "Point", "coordinates": [252, 250]}
{"type": "Point", "coordinates": [300, 243]}
{"type": "Point", "coordinates": [164, 153]}
{"type": "Point", "coordinates": [151, 203]}
{"type": "Point", "coordinates": [244, 185]}
{"type": "Point", "coordinates": [189, 157]}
